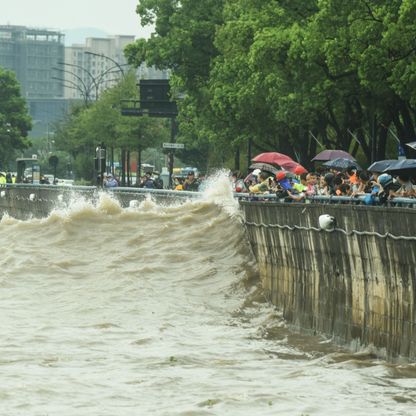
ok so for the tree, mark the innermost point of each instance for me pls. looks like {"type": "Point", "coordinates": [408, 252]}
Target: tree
{"type": "Point", "coordinates": [184, 43]}
{"type": "Point", "coordinates": [102, 123]}
{"type": "Point", "coordinates": [287, 75]}
{"type": "Point", "coordinates": [15, 121]}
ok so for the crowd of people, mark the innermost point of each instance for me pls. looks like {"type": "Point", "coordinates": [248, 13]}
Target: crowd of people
{"type": "Point", "coordinates": [327, 182]}
{"type": "Point", "coordinates": [189, 183]}
{"type": "Point", "coordinates": [290, 186]}
{"type": "Point", "coordinates": [152, 180]}
{"type": "Point", "coordinates": [7, 178]}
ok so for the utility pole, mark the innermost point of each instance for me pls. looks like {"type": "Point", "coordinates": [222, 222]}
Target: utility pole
{"type": "Point", "coordinates": [100, 159]}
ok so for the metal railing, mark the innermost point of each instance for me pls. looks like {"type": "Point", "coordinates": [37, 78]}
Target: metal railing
{"type": "Point", "coordinates": [324, 199]}
{"type": "Point", "coordinates": [317, 199]}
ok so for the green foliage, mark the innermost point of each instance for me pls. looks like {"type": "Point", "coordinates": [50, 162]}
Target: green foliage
{"type": "Point", "coordinates": [14, 119]}
{"type": "Point", "coordinates": [44, 148]}
{"type": "Point", "coordinates": [184, 37]}
{"type": "Point", "coordinates": [102, 123]}
{"type": "Point", "coordinates": [183, 42]}
{"type": "Point", "coordinates": [284, 72]}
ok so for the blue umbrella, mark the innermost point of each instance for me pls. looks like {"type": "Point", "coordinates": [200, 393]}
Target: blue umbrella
{"type": "Point", "coordinates": [381, 165]}
{"type": "Point", "coordinates": [402, 165]}
{"type": "Point", "coordinates": [341, 163]}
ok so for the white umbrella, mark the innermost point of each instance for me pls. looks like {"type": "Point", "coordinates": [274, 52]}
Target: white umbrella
{"type": "Point", "coordinates": [412, 145]}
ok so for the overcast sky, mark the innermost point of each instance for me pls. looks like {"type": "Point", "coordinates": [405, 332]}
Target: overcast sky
{"type": "Point", "coordinates": [115, 17]}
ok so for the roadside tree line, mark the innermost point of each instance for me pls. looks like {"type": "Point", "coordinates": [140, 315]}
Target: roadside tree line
{"type": "Point", "coordinates": [15, 122]}
{"type": "Point", "coordinates": [294, 76]}
{"type": "Point", "coordinates": [100, 122]}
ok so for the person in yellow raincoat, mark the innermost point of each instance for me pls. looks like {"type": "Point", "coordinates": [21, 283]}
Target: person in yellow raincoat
{"type": "Point", "coordinates": [264, 185]}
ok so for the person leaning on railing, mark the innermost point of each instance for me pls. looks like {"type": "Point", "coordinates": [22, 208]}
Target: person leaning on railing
{"type": "Point", "coordinates": [264, 185]}
{"type": "Point", "coordinates": [364, 184]}
{"type": "Point", "coordinates": [407, 189]}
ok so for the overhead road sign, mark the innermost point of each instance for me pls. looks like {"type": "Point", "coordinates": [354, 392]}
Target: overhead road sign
{"type": "Point", "coordinates": [173, 146]}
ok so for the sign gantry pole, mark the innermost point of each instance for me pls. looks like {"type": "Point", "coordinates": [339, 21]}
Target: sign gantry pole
{"type": "Point", "coordinates": [155, 101]}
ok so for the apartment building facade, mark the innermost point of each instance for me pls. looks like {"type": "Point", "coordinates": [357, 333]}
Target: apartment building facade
{"type": "Point", "coordinates": [99, 64]}
{"type": "Point", "coordinates": [32, 54]}
{"type": "Point", "coordinates": [54, 76]}
{"type": "Point", "coordinates": [93, 67]}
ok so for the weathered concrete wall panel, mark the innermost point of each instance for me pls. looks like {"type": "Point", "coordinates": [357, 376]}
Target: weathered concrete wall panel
{"type": "Point", "coordinates": [357, 288]}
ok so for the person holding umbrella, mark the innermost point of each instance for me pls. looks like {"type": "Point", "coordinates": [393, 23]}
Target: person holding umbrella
{"type": "Point", "coordinates": [405, 170]}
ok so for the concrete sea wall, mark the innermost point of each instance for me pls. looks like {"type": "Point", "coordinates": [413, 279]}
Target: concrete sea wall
{"type": "Point", "coordinates": [27, 201]}
{"type": "Point", "coordinates": [356, 284]}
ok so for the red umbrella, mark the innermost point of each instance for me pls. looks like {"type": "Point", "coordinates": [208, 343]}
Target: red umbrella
{"type": "Point", "coordinates": [274, 158]}
{"type": "Point", "coordinates": [326, 155]}
{"type": "Point", "coordinates": [293, 167]}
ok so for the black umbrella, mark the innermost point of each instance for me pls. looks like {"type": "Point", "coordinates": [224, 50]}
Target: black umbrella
{"type": "Point", "coordinates": [402, 166]}
{"type": "Point", "coordinates": [381, 165]}
{"type": "Point", "coordinates": [265, 166]}
{"type": "Point", "coordinates": [341, 163]}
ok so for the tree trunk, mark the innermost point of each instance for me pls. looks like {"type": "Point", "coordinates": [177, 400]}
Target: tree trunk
{"type": "Point", "coordinates": [409, 130]}
{"type": "Point", "coordinates": [237, 159]}
{"type": "Point", "coordinates": [112, 160]}
{"type": "Point", "coordinates": [139, 165]}
{"type": "Point", "coordinates": [123, 167]}
{"type": "Point", "coordinates": [128, 169]}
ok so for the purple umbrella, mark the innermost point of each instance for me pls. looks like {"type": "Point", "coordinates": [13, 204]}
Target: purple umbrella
{"type": "Point", "coordinates": [326, 155]}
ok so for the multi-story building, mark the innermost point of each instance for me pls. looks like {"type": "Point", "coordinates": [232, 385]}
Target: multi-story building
{"type": "Point", "coordinates": [97, 65]}
{"type": "Point", "coordinates": [94, 66]}
{"type": "Point", "coordinates": [53, 76]}
{"type": "Point", "coordinates": [33, 54]}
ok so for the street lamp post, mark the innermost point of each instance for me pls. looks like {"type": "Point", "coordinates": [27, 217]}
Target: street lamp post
{"type": "Point", "coordinates": [85, 90]}
{"type": "Point", "coordinates": [101, 55]}
{"type": "Point", "coordinates": [100, 162]}
{"type": "Point", "coordinates": [93, 82]}
{"type": "Point", "coordinates": [74, 86]}
{"type": "Point", "coordinates": [102, 78]}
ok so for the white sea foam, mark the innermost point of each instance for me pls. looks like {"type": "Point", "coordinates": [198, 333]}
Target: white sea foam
{"type": "Point", "coordinates": [217, 189]}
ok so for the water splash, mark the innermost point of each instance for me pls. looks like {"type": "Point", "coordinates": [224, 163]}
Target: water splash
{"type": "Point", "coordinates": [217, 189]}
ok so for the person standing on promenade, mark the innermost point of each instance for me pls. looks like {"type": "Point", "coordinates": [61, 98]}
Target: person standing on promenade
{"type": "Point", "coordinates": [110, 181]}
{"type": "Point", "coordinates": [191, 183]}
{"type": "Point", "coordinates": [3, 178]}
